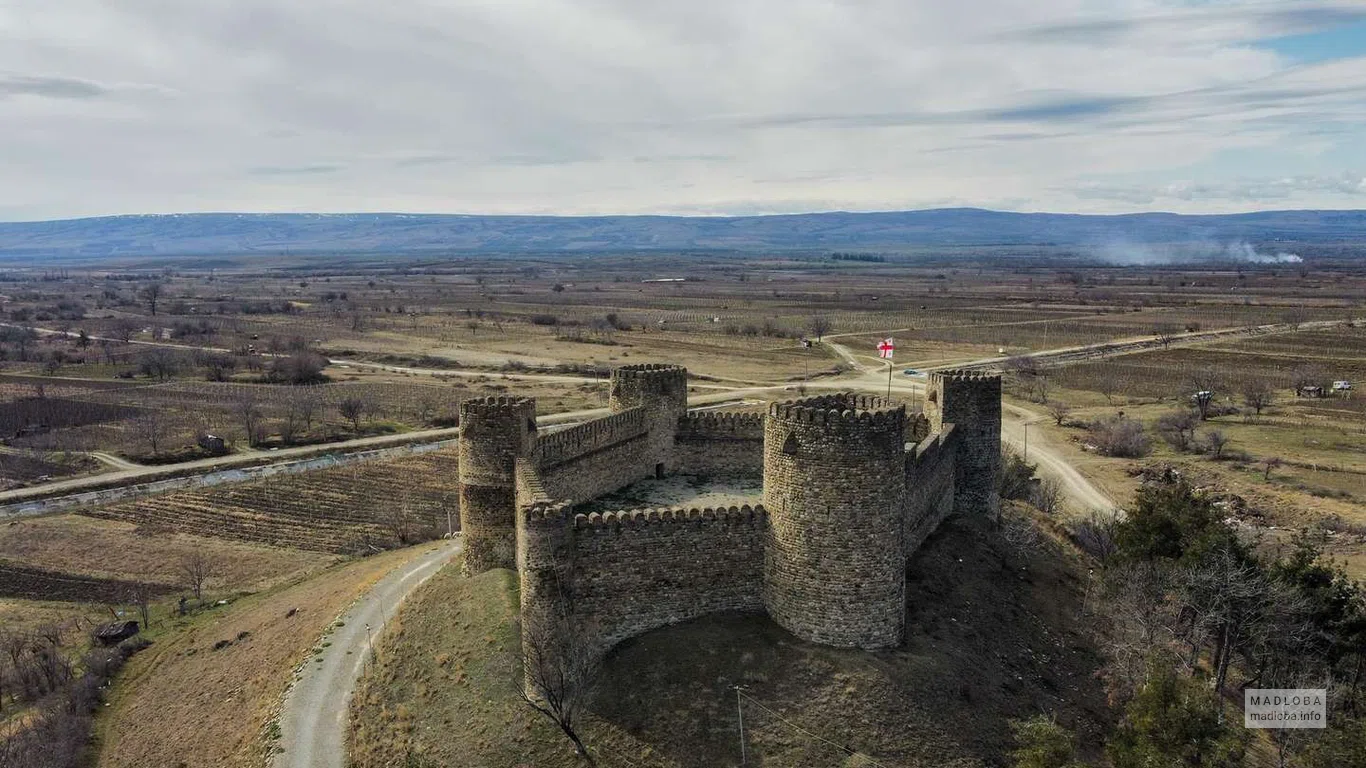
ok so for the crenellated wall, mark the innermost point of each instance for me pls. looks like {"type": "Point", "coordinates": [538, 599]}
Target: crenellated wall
{"type": "Point", "coordinates": [720, 444]}
{"type": "Point", "coordinates": [636, 570]}
{"type": "Point", "coordinates": [574, 442]}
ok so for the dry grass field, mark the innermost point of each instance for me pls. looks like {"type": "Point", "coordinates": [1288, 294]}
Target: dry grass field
{"type": "Point", "coordinates": [184, 702]}
{"type": "Point", "coordinates": [79, 545]}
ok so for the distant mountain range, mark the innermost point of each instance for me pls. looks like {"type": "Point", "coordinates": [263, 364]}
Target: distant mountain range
{"type": "Point", "coordinates": [232, 233]}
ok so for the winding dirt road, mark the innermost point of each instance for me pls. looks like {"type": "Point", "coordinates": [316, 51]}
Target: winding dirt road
{"type": "Point", "coordinates": [316, 710]}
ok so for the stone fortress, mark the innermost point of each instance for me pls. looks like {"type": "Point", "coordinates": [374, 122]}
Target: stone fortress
{"type": "Point", "coordinates": [852, 486]}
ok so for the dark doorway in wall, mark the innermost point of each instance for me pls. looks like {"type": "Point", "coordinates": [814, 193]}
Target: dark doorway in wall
{"type": "Point", "coordinates": [659, 471]}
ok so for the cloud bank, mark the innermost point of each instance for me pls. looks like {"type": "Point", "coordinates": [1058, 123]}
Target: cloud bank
{"type": "Point", "coordinates": [645, 106]}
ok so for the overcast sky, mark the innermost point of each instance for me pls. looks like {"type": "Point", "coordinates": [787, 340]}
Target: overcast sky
{"type": "Point", "coordinates": [678, 106]}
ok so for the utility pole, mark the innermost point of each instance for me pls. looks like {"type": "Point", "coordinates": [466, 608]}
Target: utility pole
{"type": "Point", "coordinates": [740, 717]}
{"type": "Point", "coordinates": [1026, 441]}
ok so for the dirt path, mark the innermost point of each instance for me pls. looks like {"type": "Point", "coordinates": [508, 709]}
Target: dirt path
{"type": "Point", "coordinates": [313, 721]}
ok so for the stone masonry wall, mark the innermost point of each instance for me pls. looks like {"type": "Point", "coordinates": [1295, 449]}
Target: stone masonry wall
{"type": "Point", "coordinates": [720, 444]}
{"type": "Point", "coordinates": [929, 486]}
{"type": "Point", "coordinates": [601, 471]}
{"type": "Point", "coordinates": [637, 570]}
{"type": "Point", "coordinates": [573, 442]}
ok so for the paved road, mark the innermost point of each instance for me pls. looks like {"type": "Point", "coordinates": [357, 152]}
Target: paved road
{"type": "Point", "coordinates": [316, 710]}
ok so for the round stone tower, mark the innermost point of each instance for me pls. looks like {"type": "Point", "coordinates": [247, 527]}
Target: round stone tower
{"type": "Point", "coordinates": [971, 401]}
{"type": "Point", "coordinates": [494, 433]}
{"type": "Point", "coordinates": [834, 488]}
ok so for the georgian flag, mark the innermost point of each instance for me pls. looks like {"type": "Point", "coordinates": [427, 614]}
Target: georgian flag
{"type": "Point", "coordinates": [885, 349]}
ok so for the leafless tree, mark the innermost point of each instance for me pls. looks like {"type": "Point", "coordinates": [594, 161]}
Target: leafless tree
{"type": "Point", "coordinates": [151, 425]}
{"type": "Point", "coordinates": [142, 596]}
{"type": "Point", "coordinates": [1165, 332]}
{"type": "Point", "coordinates": [124, 329]}
{"type": "Point", "coordinates": [1216, 441]}
{"type": "Point", "coordinates": [309, 403]}
{"type": "Point", "coordinates": [151, 293]}
{"type": "Point", "coordinates": [250, 416]}
{"type": "Point", "coordinates": [558, 676]}
{"type": "Point", "coordinates": [1178, 428]}
{"type": "Point", "coordinates": [1205, 380]}
{"type": "Point", "coordinates": [1269, 464]}
{"type": "Point", "coordinates": [197, 567]}
{"type": "Point", "coordinates": [819, 326]}
{"type": "Point", "coordinates": [1047, 496]}
{"type": "Point", "coordinates": [1059, 411]}
{"type": "Point", "coordinates": [1107, 383]}
{"type": "Point", "coordinates": [352, 409]}
{"type": "Point", "coordinates": [1134, 598]}
{"type": "Point", "coordinates": [160, 363]}
{"type": "Point", "coordinates": [1258, 394]}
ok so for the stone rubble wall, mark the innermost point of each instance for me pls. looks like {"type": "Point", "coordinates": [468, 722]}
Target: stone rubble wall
{"type": "Point", "coordinates": [929, 486]}
{"type": "Point", "coordinates": [720, 444]}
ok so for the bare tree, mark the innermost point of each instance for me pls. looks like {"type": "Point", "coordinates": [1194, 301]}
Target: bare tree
{"type": "Point", "coordinates": [197, 567]}
{"type": "Point", "coordinates": [1270, 463]}
{"type": "Point", "coordinates": [1059, 411]}
{"type": "Point", "coordinates": [250, 416]}
{"type": "Point", "coordinates": [352, 409]}
{"type": "Point", "coordinates": [160, 363]}
{"type": "Point", "coordinates": [1178, 428]}
{"type": "Point", "coordinates": [1258, 394]}
{"type": "Point", "coordinates": [124, 329]}
{"type": "Point", "coordinates": [558, 676]}
{"type": "Point", "coordinates": [1107, 383]}
{"type": "Point", "coordinates": [1165, 332]}
{"type": "Point", "coordinates": [151, 293]}
{"type": "Point", "coordinates": [820, 326]}
{"type": "Point", "coordinates": [1205, 380]}
{"type": "Point", "coordinates": [1216, 441]}
{"type": "Point", "coordinates": [1047, 496]}
{"type": "Point", "coordinates": [151, 424]}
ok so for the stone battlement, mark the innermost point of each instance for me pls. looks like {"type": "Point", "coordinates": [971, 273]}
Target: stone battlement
{"type": "Point", "coordinates": [649, 370]}
{"type": "Point", "coordinates": [845, 407]}
{"type": "Point", "coordinates": [636, 517]}
{"type": "Point", "coordinates": [721, 424]}
{"type": "Point", "coordinates": [579, 439]}
{"type": "Point", "coordinates": [966, 374]}
{"type": "Point", "coordinates": [496, 404]}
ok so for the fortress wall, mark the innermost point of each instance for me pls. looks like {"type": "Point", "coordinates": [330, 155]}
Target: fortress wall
{"type": "Point", "coordinates": [576, 441]}
{"type": "Point", "coordinates": [637, 570]}
{"type": "Point", "coordinates": [930, 469]}
{"type": "Point", "coordinates": [720, 444]}
{"type": "Point", "coordinates": [601, 471]}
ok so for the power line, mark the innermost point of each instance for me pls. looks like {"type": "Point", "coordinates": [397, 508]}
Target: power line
{"type": "Point", "coordinates": [817, 737]}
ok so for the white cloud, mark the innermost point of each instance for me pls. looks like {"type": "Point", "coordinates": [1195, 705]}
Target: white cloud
{"type": "Point", "coordinates": [581, 106]}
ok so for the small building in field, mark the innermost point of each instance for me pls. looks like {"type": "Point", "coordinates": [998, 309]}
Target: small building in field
{"type": "Point", "coordinates": [212, 444]}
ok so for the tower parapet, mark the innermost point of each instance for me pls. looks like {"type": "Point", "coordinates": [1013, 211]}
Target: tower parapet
{"type": "Point", "coordinates": [971, 401]}
{"type": "Point", "coordinates": [494, 433]}
{"type": "Point", "coordinates": [834, 489]}
{"type": "Point", "coordinates": [656, 386]}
